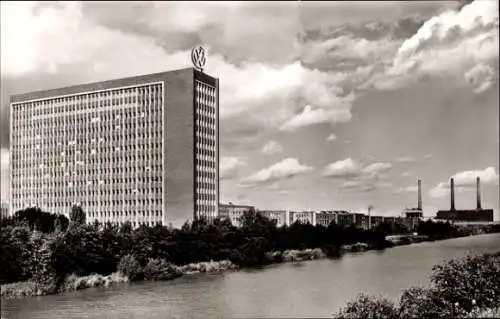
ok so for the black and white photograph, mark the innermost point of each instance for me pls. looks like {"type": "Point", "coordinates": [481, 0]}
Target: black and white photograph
{"type": "Point", "coordinates": [249, 159]}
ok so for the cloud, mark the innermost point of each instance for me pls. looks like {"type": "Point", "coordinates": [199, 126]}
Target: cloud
{"type": "Point", "coordinates": [310, 116]}
{"type": "Point", "coordinates": [39, 41]}
{"type": "Point", "coordinates": [466, 179]}
{"type": "Point", "coordinates": [349, 168]}
{"type": "Point", "coordinates": [406, 190]}
{"type": "Point", "coordinates": [331, 138]}
{"type": "Point", "coordinates": [481, 77]}
{"type": "Point", "coordinates": [428, 156]}
{"type": "Point", "coordinates": [363, 186]}
{"type": "Point", "coordinates": [448, 44]}
{"type": "Point", "coordinates": [343, 169]}
{"type": "Point", "coordinates": [285, 169]}
{"type": "Point", "coordinates": [229, 167]}
{"type": "Point", "coordinates": [377, 168]}
{"type": "Point", "coordinates": [358, 177]}
{"type": "Point", "coordinates": [272, 148]}
{"type": "Point", "coordinates": [405, 159]}
{"type": "Point", "coordinates": [406, 174]}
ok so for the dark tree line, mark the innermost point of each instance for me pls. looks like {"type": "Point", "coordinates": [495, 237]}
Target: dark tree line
{"type": "Point", "coordinates": [79, 248]}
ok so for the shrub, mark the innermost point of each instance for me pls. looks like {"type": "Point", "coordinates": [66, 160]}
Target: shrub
{"type": "Point", "coordinates": [159, 269]}
{"type": "Point", "coordinates": [365, 306]}
{"type": "Point", "coordinates": [130, 267]}
{"type": "Point", "coordinates": [469, 283]}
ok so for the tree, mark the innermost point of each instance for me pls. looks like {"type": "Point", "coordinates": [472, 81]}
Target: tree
{"type": "Point", "coordinates": [60, 223]}
{"type": "Point", "coordinates": [77, 215]}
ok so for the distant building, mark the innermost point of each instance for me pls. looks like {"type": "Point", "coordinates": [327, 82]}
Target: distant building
{"type": "Point", "coordinates": [465, 215]}
{"type": "Point", "coordinates": [325, 218]}
{"type": "Point", "coordinates": [4, 210]}
{"type": "Point", "coordinates": [377, 220]}
{"type": "Point", "coordinates": [360, 220]}
{"type": "Point", "coordinates": [304, 217]}
{"type": "Point", "coordinates": [234, 212]}
{"type": "Point", "coordinates": [277, 216]}
{"type": "Point", "coordinates": [345, 219]}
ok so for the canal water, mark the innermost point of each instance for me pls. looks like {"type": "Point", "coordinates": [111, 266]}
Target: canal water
{"type": "Point", "coordinates": [307, 289]}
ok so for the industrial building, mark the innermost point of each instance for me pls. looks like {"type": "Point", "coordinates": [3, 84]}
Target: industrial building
{"type": "Point", "coordinates": [465, 215]}
{"type": "Point", "coordinates": [143, 149]}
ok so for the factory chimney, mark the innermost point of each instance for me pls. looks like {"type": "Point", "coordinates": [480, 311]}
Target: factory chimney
{"type": "Point", "coordinates": [452, 194]}
{"type": "Point", "coordinates": [478, 190]}
{"type": "Point", "coordinates": [419, 203]}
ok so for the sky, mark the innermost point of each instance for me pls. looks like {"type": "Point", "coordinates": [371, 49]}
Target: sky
{"type": "Point", "coordinates": [336, 105]}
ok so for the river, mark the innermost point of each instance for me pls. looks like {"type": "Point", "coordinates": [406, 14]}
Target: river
{"type": "Point", "coordinates": [306, 289]}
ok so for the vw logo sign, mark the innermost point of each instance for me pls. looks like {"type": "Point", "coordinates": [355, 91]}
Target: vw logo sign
{"type": "Point", "coordinates": [199, 57]}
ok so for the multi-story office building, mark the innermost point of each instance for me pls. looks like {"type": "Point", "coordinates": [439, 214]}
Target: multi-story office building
{"type": "Point", "coordinates": [234, 212]}
{"type": "Point", "coordinates": [277, 216]}
{"type": "Point", "coordinates": [142, 149]}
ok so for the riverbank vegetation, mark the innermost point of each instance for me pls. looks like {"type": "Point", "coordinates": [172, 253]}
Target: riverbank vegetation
{"type": "Point", "coordinates": [44, 251]}
{"type": "Point", "coordinates": [468, 288]}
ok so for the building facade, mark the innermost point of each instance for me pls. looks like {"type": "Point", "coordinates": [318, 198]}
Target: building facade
{"type": "Point", "coordinates": [325, 218]}
{"type": "Point", "coordinates": [141, 149]}
{"type": "Point", "coordinates": [277, 216]}
{"type": "Point", "coordinates": [234, 212]}
{"type": "Point", "coordinates": [304, 217]}
{"type": "Point", "coordinates": [4, 210]}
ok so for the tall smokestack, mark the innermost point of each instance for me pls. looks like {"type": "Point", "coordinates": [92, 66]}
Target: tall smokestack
{"type": "Point", "coordinates": [452, 194]}
{"type": "Point", "coordinates": [478, 190]}
{"type": "Point", "coordinates": [419, 203]}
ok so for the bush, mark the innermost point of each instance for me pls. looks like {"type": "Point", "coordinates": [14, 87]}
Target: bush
{"type": "Point", "coordinates": [466, 288]}
{"type": "Point", "coordinates": [368, 307]}
{"type": "Point", "coordinates": [159, 269]}
{"type": "Point", "coordinates": [469, 283]}
{"type": "Point", "coordinates": [130, 267]}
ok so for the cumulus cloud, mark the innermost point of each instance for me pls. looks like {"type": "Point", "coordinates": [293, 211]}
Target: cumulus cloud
{"type": "Point", "coordinates": [272, 148]}
{"type": "Point", "coordinates": [447, 44]}
{"type": "Point", "coordinates": [359, 177]}
{"type": "Point", "coordinates": [405, 159]}
{"type": "Point", "coordinates": [406, 174]}
{"type": "Point", "coordinates": [310, 116]}
{"type": "Point", "coordinates": [350, 168]}
{"type": "Point", "coordinates": [406, 190]}
{"type": "Point", "coordinates": [331, 138]}
{"type": "Point", "coordinates": [480, 77]}
{"type": "Point", "coordinates": [343, 169]}
{"type": "Point", "coordinates": [466, 179]}
{"type": "Point", "coordinates": [40, 39]}
{"type": "Point", "coordinates": [229, 167]}
{"type": "Point", "coordinates": [285, 169]}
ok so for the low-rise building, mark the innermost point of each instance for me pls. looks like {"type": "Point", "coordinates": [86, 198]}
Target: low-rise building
{"type": "Point", "coordinates": [4, 210]}
{"type": "Point", "coordinates": [234, 212]}
{"type": "Point", "coordinates": [377, 220]}
{"type": "Point", "coordinates": [277, 216]}
{"type": "Point", "coordinates": [304, 217]}
{"type": "Point", "coordinates": [345, 219]}
{"type": "Point", "coordinates": [360, 220]}
{"type": "Point", "coordinates": [325, 218]}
